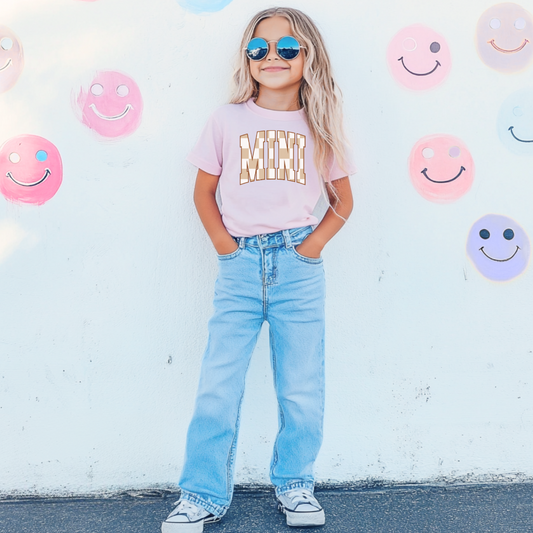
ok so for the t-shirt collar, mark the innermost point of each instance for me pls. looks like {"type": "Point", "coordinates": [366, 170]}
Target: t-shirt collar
{"type": "Point", "coordinates": [273, 114]}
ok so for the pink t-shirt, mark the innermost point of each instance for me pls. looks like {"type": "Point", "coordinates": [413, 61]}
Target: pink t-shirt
{"type": "Point", "coordinates": [268, 181]}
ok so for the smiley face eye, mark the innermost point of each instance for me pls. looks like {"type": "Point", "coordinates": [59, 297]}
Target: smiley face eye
{"type": "Point", "coordinates": [520, 23]}
{"type": "Point", "coordinates": [428, 153]}
{"type": "Point", "coordinates": [484, 234]}
{"type": "Point", "coordinates": [454, 151]}
{"type": "Point", "coordinates": [97, 89]}
{"type": "Point", "coordinates": [508, 234]}
{"type": "Point", "coordinates": [122, 90]}
{"type": "Point", "coordinates": [41, 156]}
{"type": "Point", "coordinates": [6, 43]}
{"type": "Point", "coordinates": [518, 111]}
{"type": "Point", "coordinates": [14, 158]}
{"type": "Point", "coordinates": [434, 47]}
{"type": "Point", "coordinates": [495, 24]}
{"type": "Point", "coordinates": [409, 44]}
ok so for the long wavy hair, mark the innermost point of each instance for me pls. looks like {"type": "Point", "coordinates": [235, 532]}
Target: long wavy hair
{"type": "Point", "coordinates": [319, 95]}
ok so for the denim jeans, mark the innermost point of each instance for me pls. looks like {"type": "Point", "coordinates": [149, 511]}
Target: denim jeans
{"type": "Point", "coordinates": [264, 279]}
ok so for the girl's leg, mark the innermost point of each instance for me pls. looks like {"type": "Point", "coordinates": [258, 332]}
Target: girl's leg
{"type": "Point", "coordinates": [296, 318]}
{"type": "Point", "coordinates": [207, 476]}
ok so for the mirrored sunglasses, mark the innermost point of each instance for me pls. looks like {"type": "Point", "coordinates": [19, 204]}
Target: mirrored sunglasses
{"type": "Point", "coordinates": [287, 48]}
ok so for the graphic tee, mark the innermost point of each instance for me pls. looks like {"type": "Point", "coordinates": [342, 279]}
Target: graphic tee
{"type": "Point", "coordinates": [268, 181]}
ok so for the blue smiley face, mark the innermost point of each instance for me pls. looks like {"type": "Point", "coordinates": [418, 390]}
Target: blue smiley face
{"type": "Point", "coordinates": [203, 6]}
{"type": "Point", "coordinates": [515, 122]}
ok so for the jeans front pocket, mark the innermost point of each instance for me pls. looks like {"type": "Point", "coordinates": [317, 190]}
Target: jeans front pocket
{"type": "Point", "coordinates": [232, 255]}
{"type": "Point", "coordinates": [305, 259]}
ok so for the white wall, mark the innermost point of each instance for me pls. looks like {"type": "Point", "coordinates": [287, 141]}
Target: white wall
{"type": "Point", "coordinates": [105, 290]}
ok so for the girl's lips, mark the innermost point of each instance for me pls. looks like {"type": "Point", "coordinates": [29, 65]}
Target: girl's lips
{"type": "Point", "coordinates": [274, 69]}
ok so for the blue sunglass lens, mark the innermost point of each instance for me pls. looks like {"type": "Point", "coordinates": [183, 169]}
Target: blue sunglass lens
{"type": "Point", "coordinates": [288, 48]}
{"type": "Point", "coordinates": [257, 49]}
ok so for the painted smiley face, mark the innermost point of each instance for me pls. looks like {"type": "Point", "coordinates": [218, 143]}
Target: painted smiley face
{"type": "Point", "coordinates": [11, 59]}
{"type": "Point", "coordinates": [112, 105]}
{"type": "Point", "coordinates": [515, 122]}
{"type": "Point", "coordinates": [498, 247]}
{"type": "Point", "coordinates": [504, 37]}
{"type": "Point", "coordinates": [31, 169]}
{"type": "Point", "coordinates": [418, 57]}
{"type": "Point", "coordinates": [441, 168]}
{"type": "Point", "coordinates": [203, 6]}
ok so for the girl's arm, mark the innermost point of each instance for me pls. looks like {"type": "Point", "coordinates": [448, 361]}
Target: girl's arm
{"type": "Point", "coordinates": [331, 223]}
{"type": "Point", "coordinates": [206, 205]}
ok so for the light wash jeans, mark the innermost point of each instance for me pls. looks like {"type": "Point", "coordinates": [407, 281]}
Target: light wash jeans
{"type": "Point", "coordinates": [264, 279]}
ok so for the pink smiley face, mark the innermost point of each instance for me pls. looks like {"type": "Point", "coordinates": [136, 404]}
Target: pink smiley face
{"type": "Point", "coordinates": [441, 168]}
{"type": "Point", "coordinates": [418, 57]}
{"type": "Point", "coordinates": [504, 37]}
{"type": "Point", "coordinates": [31, 169]}
{"type": "Point", "coordinates": [11, 59]}
{"type": "Point", "coordinates": [112, 105]}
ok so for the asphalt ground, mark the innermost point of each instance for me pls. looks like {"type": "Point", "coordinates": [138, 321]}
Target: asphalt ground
{"type": "Point", "coordinates": [467, 508]}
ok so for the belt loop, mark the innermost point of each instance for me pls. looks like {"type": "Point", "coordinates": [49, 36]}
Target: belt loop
{"type": "Point", "coordinates": [287, 238]}
{"type": "Point", "coordinates": [241, 241]}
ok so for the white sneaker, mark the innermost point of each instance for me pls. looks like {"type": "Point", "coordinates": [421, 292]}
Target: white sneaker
{"type": "Point", "coordinates": [301, 508]}
{"type": "Point", "coordinates": [187, 518]}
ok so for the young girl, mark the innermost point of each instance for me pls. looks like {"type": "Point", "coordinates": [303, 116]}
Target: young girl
{"type": "Point", "coordinates": [285, 110]}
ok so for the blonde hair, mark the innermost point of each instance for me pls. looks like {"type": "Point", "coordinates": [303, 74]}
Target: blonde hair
{"type": "Point", "coordinates": [319, 96]}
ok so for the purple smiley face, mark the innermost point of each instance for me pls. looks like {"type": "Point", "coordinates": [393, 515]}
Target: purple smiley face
{"type": "Point", "coordinates": [498, 247]}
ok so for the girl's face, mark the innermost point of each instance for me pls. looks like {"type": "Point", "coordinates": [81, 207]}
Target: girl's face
{"type": "Point", "coordinates": [272, 72]}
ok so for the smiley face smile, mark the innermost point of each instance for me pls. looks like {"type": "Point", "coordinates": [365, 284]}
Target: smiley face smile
{"type": "Point", "coordinates": [116, 117]}
{"type": "Point", "coordinates": [504, 50]}
{"type": "Point", "coordinates": [38, 182]}
{"type": "Point", "coordinates": [499, 260]}
{"type": "Point", "coordinates": [444, 181]}
{"type": "Point", "coordinates": [416, 73]}
{"type": "Point", "coordinates": [9, 61]}
{"type": "Point", "coordinates": [519, 140]}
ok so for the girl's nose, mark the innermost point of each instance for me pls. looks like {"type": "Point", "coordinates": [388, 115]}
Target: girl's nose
{"type": "Point", "coordinates": [272, 53]}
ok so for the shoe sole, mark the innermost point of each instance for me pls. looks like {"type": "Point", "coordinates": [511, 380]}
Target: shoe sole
{"type": "Point", "coordinates": [316, 518]}
{"type": "Point", "coordinates": [184, 527]}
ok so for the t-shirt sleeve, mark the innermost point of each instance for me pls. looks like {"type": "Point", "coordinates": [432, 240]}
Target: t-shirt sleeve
{"type": "Point", "coordinates": [337, 172]}
{"type": "Point", "coordinates": [207, 153]}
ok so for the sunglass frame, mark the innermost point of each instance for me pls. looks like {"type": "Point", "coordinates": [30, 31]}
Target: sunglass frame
{"type": "Point", "coordinates": [267, 48]}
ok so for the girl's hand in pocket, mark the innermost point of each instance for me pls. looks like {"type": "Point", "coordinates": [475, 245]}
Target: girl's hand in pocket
{"type": "Point", "coordinates": [227, 248]}
{"type": "Point", "coordinates": [308, 249]}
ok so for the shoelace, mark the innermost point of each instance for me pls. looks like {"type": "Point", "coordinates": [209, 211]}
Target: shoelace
{"type": "Point", "coordinates": [187, 508]}
{"type": "Point", "coordinates": [301, 496]}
